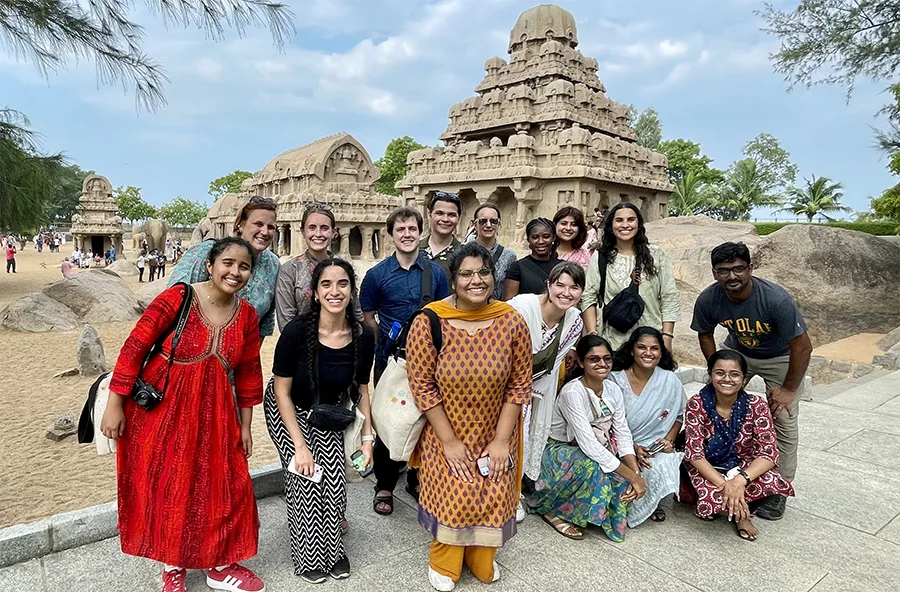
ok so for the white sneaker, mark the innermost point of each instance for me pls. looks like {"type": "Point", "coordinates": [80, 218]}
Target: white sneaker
{"type": "Point", "coordinates": [520, 513]}
{"type": "Point", "coordinates": [441, 583]}
{"type": "Point", "coordinates": [496, 573]}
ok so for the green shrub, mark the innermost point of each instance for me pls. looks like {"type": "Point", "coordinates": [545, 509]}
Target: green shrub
{"type": "Point", "coordinates": [876, 228]}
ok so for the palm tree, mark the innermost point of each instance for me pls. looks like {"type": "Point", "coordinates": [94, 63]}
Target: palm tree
{"type": "Point", "coordinates": [744, 189]}
{"type": "Point", "coordinates": [819, 196]}
{"type": "Point", "coordinates": [690, 197]}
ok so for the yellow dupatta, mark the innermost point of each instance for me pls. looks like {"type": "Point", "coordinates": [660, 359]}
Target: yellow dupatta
{"type": "Point", "coordinates": [492, 310]}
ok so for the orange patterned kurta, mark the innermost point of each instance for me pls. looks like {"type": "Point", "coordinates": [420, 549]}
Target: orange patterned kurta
{"type": "Point", "coordinates": [473, 377]}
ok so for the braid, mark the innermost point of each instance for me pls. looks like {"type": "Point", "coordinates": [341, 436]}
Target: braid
{"type": "Point", "coordinates": [310, 324]}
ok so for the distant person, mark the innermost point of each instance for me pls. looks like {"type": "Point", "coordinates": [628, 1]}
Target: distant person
{"type": "Point", "coordinates": [153, 263]}
{"type": "Point", "coordinates": [141, 264]}
{"type": "Point", "coordinates": [161, 268]}
{"type": "Point", "coordinates": [112, 254]}
{"type": "Point", "coordinates": [766, 327]}
{"type": "Point", "coordinates": [76, 257]}
{"type": "Point", "coordinates": [10, 257]}
{"type": "Point", "coordinates": [443, 219]}
{"type": "Point", "coordinates": [67, 268]}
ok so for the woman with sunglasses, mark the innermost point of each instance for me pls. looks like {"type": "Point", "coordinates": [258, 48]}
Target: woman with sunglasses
{"type": "Point", "coordinates": [730, 451]}
{"type": "Point", "coordinates": [529, 274]}
{"type": "Point", "coordinates": [487, 233]}
{"type": "Point", "coordinates": [255, 223]}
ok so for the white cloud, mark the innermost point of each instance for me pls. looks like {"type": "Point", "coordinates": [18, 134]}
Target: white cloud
{"type": "Point", "coordinates": [671, 49]}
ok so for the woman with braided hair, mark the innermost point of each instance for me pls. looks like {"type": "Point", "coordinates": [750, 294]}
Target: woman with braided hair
{"type": "Point", "coordinates": [529, 274]}
{"type": "Point", "coordinates": [323, 357]}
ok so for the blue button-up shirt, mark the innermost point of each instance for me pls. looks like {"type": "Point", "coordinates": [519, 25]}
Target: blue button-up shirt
{"type": "Point", "coordinates": [394, 293]}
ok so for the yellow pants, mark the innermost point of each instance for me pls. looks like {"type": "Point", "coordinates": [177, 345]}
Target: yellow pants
{"type": "Point", "coordinates": [448, 561]}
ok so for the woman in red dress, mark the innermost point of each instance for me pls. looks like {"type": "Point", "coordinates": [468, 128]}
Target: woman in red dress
{"type": "Point", "coordinates": [185, 494]}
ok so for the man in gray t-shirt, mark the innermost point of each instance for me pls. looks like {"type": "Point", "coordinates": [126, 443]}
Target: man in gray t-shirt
{"type": "Point", "coordinates": [766, 327]}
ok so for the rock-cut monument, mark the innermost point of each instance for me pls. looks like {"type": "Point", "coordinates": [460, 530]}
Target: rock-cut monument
{"type": "Point", "coordinates": [96, 225]}
{"type": "Point", "coordinates": [540, 134]}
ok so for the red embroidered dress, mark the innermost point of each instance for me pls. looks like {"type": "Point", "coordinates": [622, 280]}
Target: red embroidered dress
{"type": "Point", "coordinates": [185, 495]}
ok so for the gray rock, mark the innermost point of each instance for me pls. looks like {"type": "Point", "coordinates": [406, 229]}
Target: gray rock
{"type": "Point", "coordinates": [121, 267]}
{"type": "Point", "coordinates": [89, 353]}
{"type": "Point", "coordinates": [841, 367]}
{"type": "Point", "coordinates": [889, 340]}
{"type": "Point", "coordinates": [38, 313]}
{"type": "Point", "coordinates": [149, 291]}
{"type": "Point", "coordinates": [97, 296]}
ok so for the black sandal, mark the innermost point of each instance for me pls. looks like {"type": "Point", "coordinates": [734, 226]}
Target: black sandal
{"type": "Point", "coordinates": [658, 515]}
{"type": "Point", "coordinates": [413, 492]}
{"type": "Point", "coordinates": [387, 500]}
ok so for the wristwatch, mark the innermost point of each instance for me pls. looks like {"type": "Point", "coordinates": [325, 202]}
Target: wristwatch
{"type": "Point", "coordinates": [744, 474]}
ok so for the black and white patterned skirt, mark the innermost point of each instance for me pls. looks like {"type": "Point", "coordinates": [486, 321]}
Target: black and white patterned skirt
{"type": "Point", "coordinates": [315, 510]}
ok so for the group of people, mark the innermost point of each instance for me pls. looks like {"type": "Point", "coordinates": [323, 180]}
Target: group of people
{"type": "Point", "coordinates": [546, 381]}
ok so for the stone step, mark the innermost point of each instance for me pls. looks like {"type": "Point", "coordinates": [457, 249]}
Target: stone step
{"type": "Point", "coordinates": [822, 392]}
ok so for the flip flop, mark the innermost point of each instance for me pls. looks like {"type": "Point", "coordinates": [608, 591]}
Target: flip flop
{"type": "Point", "coordinates": [387, 500]}
{"type": "Point", "coordinates": [658, 515]}
{"type": "Point", "coordinates": [562, 527]}
{"type": "Point", "coordinates": [742, 533]}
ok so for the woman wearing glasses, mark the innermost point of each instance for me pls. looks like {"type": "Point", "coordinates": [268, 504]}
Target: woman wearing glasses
{"type": "Point", "coordinates": [472, 394]}
{"type": "Point", "coordinates": [730, 450]}
{"type": "Point", "coordinates": [255, 223]}
{"type": "Point", "coordinates": [487, 233]}
{"type": "Point", "coordinates": [589, 471]}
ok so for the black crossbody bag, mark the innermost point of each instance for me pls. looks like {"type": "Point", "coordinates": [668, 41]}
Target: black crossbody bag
{"type": "Point", "coordinates": [626, 308]}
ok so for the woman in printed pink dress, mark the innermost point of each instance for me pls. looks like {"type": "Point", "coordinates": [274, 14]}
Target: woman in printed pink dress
{"type": "Point", "coordinates": [730, 451]}
{"type": "Point", "coordinates": [571, 235]}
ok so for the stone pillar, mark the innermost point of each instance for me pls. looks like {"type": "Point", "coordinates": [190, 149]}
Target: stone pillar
{"type": "Point", "coordinates": [366, 252]}
{"type": "Point", "coordinates": [483, 196]}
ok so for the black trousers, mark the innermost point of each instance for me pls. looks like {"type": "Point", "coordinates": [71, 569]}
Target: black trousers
{"type": "Point", "coordinates": [140, 274]}
{"type": "Point", "coordinates": [11, 264]}
{"type": "Point", "coordinates": [387, 471]}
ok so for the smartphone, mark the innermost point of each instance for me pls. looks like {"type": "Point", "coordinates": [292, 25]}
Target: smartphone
{"type": "Point", "coordinates": [484, 465]}
{"type": "Point", "coordinates": [658, 447]}
{"type": "Point", "coordinates": [358, 460]}
{"type": "Point", "coordinates": [317, 471]}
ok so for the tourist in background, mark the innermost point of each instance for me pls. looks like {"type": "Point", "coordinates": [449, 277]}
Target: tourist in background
{"type": "Point", "coordinates": [10, 256]}
{"type": "Point", "coordinates": [571, 236]}
{"type": "Point", "coordinates": [472, 395]}
{"type": "Point", "coordinates": [766, 327]}
{"type": "Point", "coordinates": [185, 496]}
{"type": "Point", "coordinates": [487, 234]}
{"type": "Point", "coordinates": [589, 471]}
{"type": "Point", "coordinates": [161, 268]}
{"type": "Point", "coordinates": [293, 290]}
{"type": "Point", "coordinates": [153, 262]}
{"type": "Point", "coordinates": [76, 257]}
{"type": "Point", "coordinates": [67, 268]}
{"type": "Point", "coordinates": [730, 450]}
{"type": "Point", "coordinates": [255, 223]}
{"type": "Point", "coordinates": [324, 355]}
{"type": "Point", "coordinates": [554, 322]}
{"type": "Point", "coordinates": [630, 258]}
{"type": "Point", "coordinates": [654, 407]}
{"type": "Point", "coordinates": [112, 250]}
{"type": "Point", "coordinates": [529, 274]}
{"type": "Point", "coordinates": [393, 290]}
{"type": "Point", "coordinates": [141, 264]}
{"type": "Point", "coordinates": [444, 212]}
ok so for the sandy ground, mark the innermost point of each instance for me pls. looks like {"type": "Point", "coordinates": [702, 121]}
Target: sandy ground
{"type": "Point", "coordinates": [39, 477]}
{"type": "Point", "coordinates": [858, 348]}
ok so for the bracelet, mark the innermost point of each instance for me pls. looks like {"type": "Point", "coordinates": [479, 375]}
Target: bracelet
{"type": "Point", "coordinates": [668, 335]}
{"type": "Point", "coordinates": [368, 438]}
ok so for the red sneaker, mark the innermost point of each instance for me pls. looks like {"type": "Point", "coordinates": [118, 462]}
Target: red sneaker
{"type": "Point", "coordinates": [173, 581]}
{"type": "Point", "coordinates": [234, 578]}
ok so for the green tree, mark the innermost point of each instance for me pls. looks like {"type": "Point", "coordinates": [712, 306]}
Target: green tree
{"type": "Point", "coordinates": [181, 211]}
{"type": "Point", "coordinates": [648, 127]}
{"type": "Point", "coordinates": [131, 205]}
{"type": "Point", "coordinates": [772, 161]}
{"type": "Point", "coordinates": [54, 33]}
{"type": "Point", "coordinates": [743, 190]}
{"type": "Point", "coordinates": [691, 196]}
{"type": "Point", "coordinates": [62, 201]}
{"type": "Point", "coordinates": [888, 205]}
{"type": "Point", "coordinates": [818, 198]}
{"type": "Point", "coordinates": [392, 165]}
{"type": "Point", "coordinates": [27, 177]}
{"type": "Point", "coordinates": [230, 183]}
{"type": "Point", "coordinates": [684, 155]}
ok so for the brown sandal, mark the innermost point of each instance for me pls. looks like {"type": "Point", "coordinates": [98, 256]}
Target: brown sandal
{"type": "Point", "coordinates": [567, 529]}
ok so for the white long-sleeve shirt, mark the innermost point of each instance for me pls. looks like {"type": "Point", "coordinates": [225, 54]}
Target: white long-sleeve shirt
{"type": "Point", "coordinates": [576, 408]}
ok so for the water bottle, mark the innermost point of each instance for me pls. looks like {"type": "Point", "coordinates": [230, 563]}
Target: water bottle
{"type": "Point", "coordinates": [395, 331]}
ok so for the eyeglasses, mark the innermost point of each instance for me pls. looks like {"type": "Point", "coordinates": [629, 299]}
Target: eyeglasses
{"type": "Point", "coordinates": [444, 196]}
{"type": "Point", "coordinates": [594, 360]}
{"type": "Point", "coordinates": [486, 221]}
{"type": "Point", "coordinates": [318, 207]}
{"type": "Point", "coordinates": [724, 272]}
{"type": "Point", "coordinates": [264, 201]}
{"type": "Point", "coordinates": [733, 375]}
{"type": "Point", "coordinates": [483, 273]}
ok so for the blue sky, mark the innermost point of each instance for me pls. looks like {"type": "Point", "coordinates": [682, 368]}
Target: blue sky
{"type": "Point", "coordinates": [382, 69]}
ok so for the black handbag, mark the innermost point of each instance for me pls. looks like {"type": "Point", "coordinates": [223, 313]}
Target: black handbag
{"type": "Point", "coordinates": [333, 418]}
{"type": "Point", "coordinates": [145, 394]}
{"type": "Point", "coordinates": [626, 308]}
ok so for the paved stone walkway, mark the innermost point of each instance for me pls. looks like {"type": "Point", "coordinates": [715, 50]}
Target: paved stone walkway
{"type": "Point", "coordinates": [841, 533]}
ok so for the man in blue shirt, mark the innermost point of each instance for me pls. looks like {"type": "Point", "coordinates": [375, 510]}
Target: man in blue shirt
{"type": "Point", "coordinates": [392, 291]}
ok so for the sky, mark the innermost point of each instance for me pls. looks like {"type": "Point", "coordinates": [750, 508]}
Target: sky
{"type": "Point", "coordinates": [380, 69]}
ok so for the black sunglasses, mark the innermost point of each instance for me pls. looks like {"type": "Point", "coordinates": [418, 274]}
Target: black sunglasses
{"type": "Point", "coordinates": [444, 196]}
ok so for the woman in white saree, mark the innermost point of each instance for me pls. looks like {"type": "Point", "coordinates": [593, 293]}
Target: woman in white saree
{"type": "Point", "coordinates": [554, 321]}
{"type": "Point", "coordinates": [654, 408]}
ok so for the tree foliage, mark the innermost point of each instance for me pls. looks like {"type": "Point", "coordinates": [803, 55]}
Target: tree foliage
{"type": "Point", "coordinates": [773, 162]}
{"type": "Point", "coordinates": [131, 205]}
{"type": "Point", "coordinates": [743, 189]}
{"type": "Point", "coordinates": [818, 198]}
{"type": "Point", "coordinates": [647, 126]}
{"type": "Point", "coordinates": [181, 211]}
{"type": "Point", "coordinates": [62, 201]}
{"type": "Point", "coordinates": [684, 156]}
{"type": "Point", "coordinates": [392, 165]}
{"type": "Point", "coordinates": [887, 207]}
{"type": "Point", "coordinates": [230, 183]}
{"type": "Point", "coordinates": [691, 196]}
{"type": "Point", "coordinates": [55, 33]}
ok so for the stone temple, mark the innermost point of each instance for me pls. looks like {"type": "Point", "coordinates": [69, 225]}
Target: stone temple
{"type": "Point", "coordinates": [96, 225]}
{"type": "Point", "coordinates": [334, 170]}
{"type": "Point", "coordinates": [540, 134]}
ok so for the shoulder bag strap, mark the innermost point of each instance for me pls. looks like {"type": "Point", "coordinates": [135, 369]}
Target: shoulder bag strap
{"type": "Point", "coordinates": [533, 267]}
{"type": "Point", "coordinates": [427, 293]}
{"type": "Point", "coordinates": [497, 253]}
{"type": "Point", "coordinates": [437, 337]}
{"type": "Point", "coordinates": [602, 263]}
{"type": "Point", "coordinates": [181, 320]}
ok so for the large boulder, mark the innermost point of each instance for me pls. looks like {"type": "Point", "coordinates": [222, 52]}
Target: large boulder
{"type": "Point", "coordinates": [149, 291]}
{"type": "Point", "coordinates": [845, 282]}
{"type": "Point", "coordinates": [89, 353]}
{"type": "Point", "coordinates": [38, 313]}
{"type": "Point", "coordinates": [122, 268]}
{"type": "Point", "coordinates": [97, 296]}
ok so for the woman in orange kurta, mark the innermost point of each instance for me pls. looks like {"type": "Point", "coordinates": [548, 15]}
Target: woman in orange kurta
{"type": "Point", "coordinates": [472, 394]}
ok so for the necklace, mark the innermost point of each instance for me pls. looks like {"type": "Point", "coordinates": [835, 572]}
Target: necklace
{"type": "Point", "coordinates": [213, 302]}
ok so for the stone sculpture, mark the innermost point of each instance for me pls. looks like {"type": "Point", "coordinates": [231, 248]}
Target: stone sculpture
{"type": "Point", "coordinates": [155, 233]}
{"type": "Point", "coordinates": [96, 226]}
